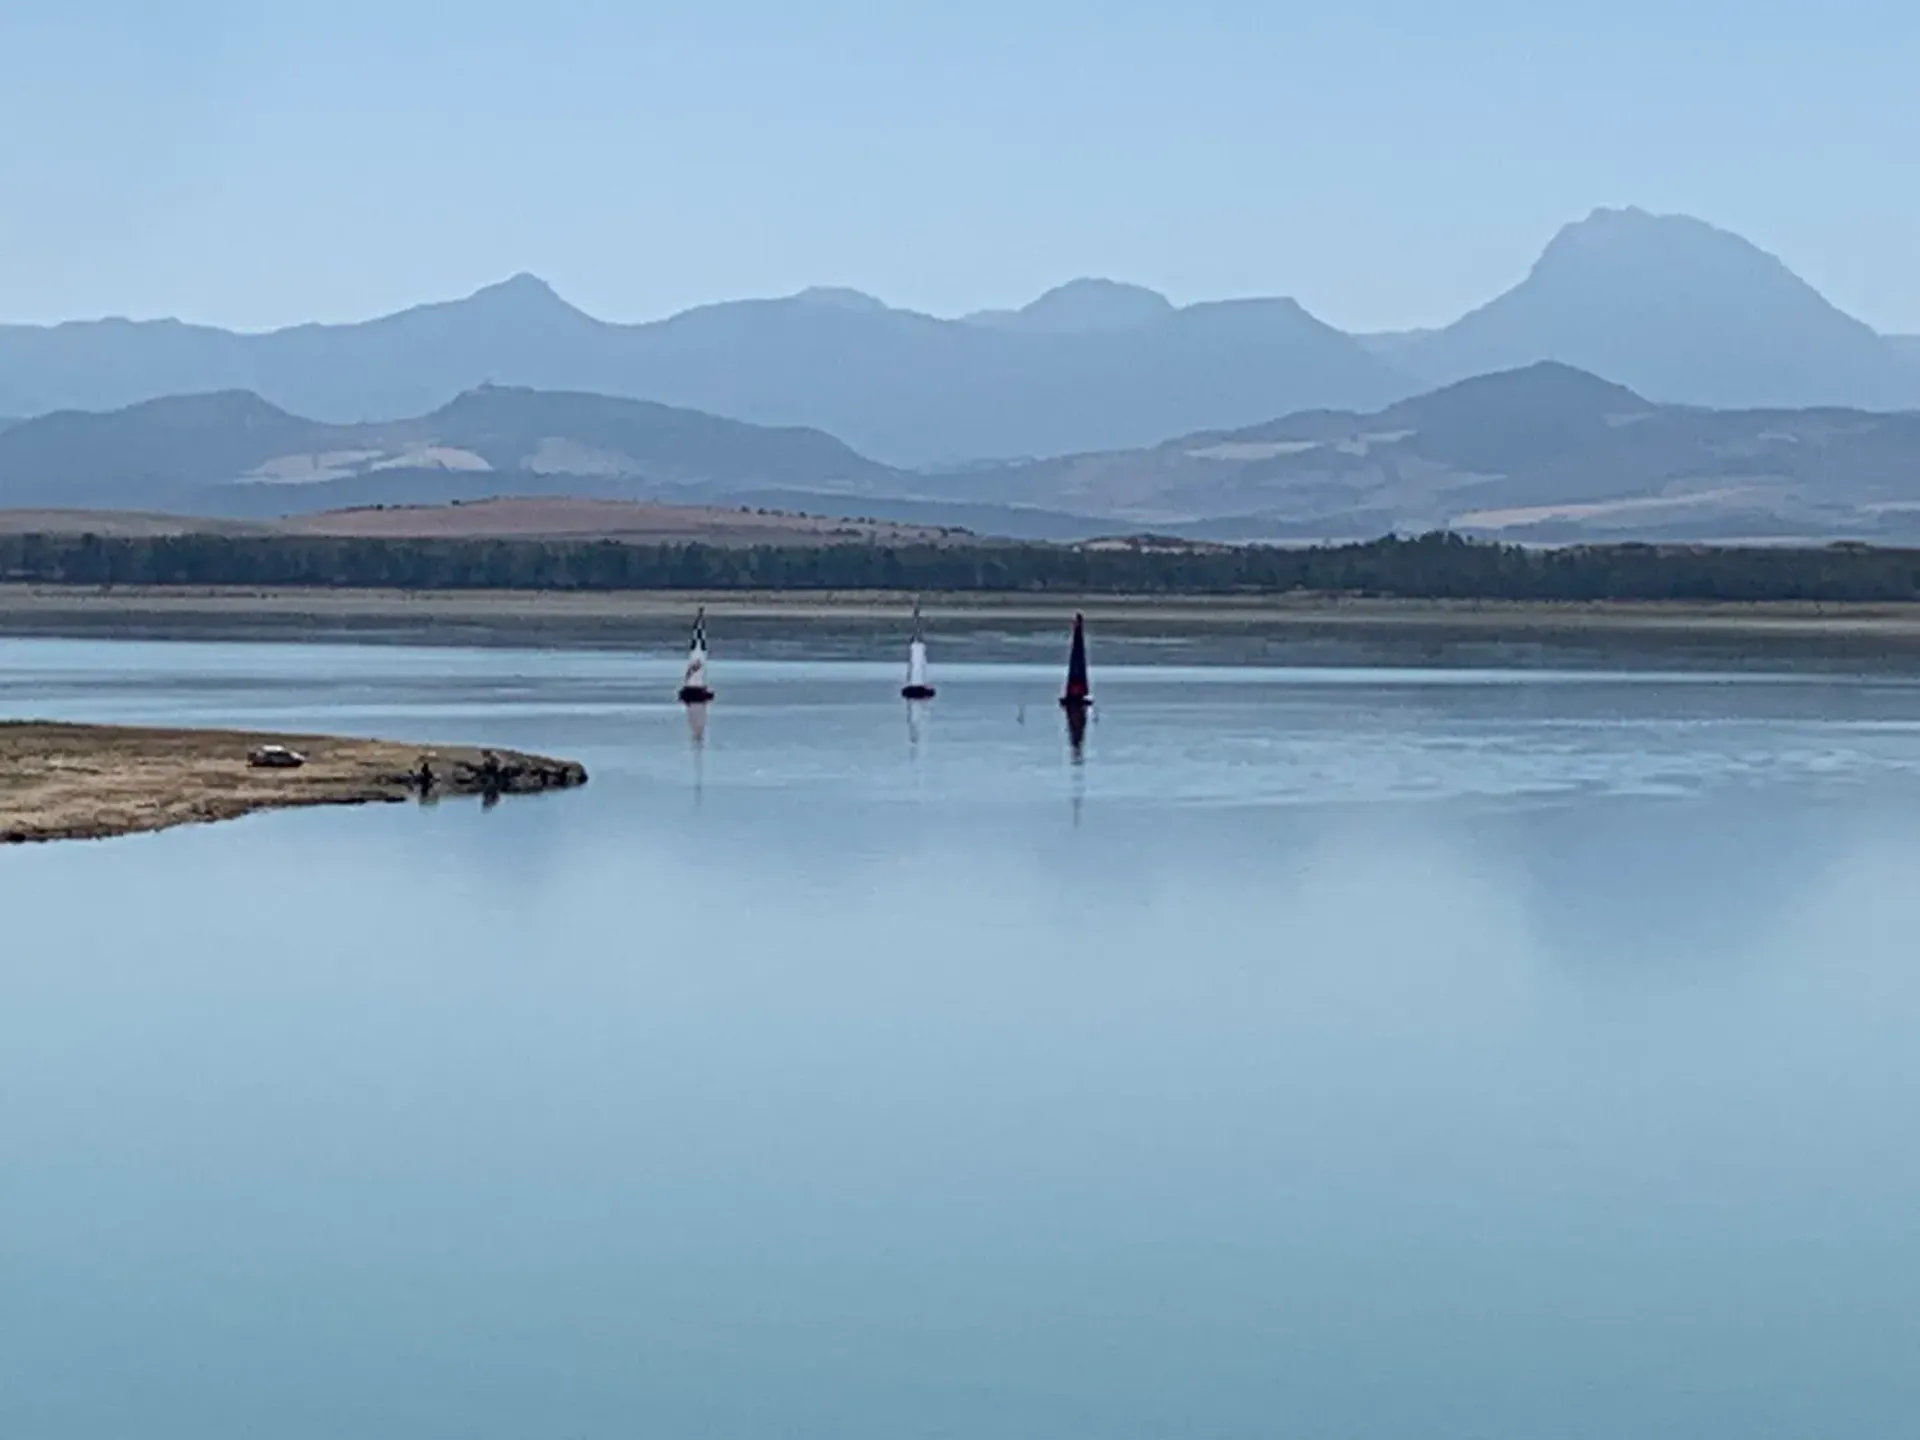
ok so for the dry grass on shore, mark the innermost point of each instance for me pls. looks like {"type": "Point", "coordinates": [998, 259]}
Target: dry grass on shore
{"type": "Point", "coordinates": [61, 781]}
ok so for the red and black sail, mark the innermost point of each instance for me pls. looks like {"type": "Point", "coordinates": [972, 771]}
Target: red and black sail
{"type": "Point", "coordinates": [1078, 694]}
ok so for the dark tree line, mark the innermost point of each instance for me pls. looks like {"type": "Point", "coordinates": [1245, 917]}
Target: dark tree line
{"type": "Point", "coordinates": [1437, 566]}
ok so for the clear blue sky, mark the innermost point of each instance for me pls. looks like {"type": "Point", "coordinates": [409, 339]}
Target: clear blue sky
{"type": "Point", "coordinates": [1388, 162]}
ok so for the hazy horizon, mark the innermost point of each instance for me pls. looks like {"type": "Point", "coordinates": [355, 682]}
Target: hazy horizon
{"type": "Point", "coordinates": [1386, 166]}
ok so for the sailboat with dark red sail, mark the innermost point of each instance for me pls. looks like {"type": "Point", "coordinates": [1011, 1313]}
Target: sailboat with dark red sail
{"type": "Point", "coordinates": [693, 687]}
{"type": "Point", "coordinates": [1077, 699]}
{"type": "Point", "coordinates": [1077, 696]}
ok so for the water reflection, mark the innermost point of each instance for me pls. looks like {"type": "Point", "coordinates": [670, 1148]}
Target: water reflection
{"type": "Point", "coordinates": [1389, 1053]}
{"type": "Point", "coordinates": [1076, 716]}
{"type": "Point", "coordinates": [1076, 731]}
{"type": "Point", "coordinates": [697, 745]}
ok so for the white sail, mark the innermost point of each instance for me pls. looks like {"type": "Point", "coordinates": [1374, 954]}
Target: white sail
{"type": "Point", "coordinates": [917, 657]}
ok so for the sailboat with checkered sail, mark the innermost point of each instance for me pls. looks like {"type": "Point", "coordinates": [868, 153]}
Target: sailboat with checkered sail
{"type": "Point", "coordinates": [693, 687]}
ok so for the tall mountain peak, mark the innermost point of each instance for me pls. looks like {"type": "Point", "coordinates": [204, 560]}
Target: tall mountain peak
{"type": "Point", "coordinates": [1678, 309]}
{"type": "Point", "coordinates": [1638, 242]}
{"type": "Point", "coordinates": [1091, 303]}
{"type": "Point", "coordinates": [523, 292]}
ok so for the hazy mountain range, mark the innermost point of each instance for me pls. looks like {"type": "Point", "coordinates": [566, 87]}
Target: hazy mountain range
{"type": "Point", "coordinates": [1546, 452]}
{"type": "Point", "coordinates": [894, 384]}
{"type": "Point", "coordinates": [233, 453]}
{"type": "Point", "coordinates": [1674, 309]}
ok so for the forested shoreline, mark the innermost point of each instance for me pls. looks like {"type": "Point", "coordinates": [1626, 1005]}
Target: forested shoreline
{"type": "Point", "coordinates": [1432, 567]}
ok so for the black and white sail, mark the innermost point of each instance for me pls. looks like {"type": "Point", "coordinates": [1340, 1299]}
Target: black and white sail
{"type": "Point", "coordinates": [693, 686]}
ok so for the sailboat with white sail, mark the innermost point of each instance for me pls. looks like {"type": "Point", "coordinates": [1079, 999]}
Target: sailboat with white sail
{"type": "Point", "coordinates": [693, 687]}
{"type": "Point", "coordinates": [917, 687]}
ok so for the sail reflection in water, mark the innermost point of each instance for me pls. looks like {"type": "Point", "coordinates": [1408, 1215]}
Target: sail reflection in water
{"type": "Point", "coordinates": [697, 744]}
{"type": "Point", "coordinates": [1077, 732]}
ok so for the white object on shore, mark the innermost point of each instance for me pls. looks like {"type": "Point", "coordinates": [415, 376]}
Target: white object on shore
{"type": "Point", "coordinates": [275, 757]}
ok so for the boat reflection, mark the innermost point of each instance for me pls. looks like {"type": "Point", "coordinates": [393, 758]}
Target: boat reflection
{"type": "Point", "coordinates": [1077, 732]}
{"type": "Point", "coordinates": [697, 743]}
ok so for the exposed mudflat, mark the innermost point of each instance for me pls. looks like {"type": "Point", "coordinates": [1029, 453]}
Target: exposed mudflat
{"type": "Point", "coordinates": [26, 608]}
{"type": "Point", "coordinates": [84, 782]}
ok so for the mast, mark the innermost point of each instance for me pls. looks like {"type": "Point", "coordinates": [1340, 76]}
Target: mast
{"type": "Point", "coordinates": [1078, 695]}
{"type": "Point", "coordinates": [693, 686]}
{"type": "Point", "coordinates": [917, 687]}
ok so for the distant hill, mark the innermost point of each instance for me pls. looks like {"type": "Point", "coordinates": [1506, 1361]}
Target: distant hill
{"type": "Point", "coordinates": [633, 522]}
{"type": "Point", "coordinates": [1678, 310]}
{"type": "Point", "coordinates": [1083, 307]}
{"type": "Point", "coordinates": [1546, 452]}
{"type": "Point", "coordinates": [895, 384]}
{"type": "Point", "coordinates": [563, 518]}
{"type": "Point", "coordinates": [234, 453]}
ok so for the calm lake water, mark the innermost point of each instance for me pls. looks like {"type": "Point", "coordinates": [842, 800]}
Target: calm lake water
{"type": "Point", "coordinates": [1333, 1053]}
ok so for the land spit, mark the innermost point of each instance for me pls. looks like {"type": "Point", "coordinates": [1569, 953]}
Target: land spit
{"type": "Point", "coordinates": [86, 782]}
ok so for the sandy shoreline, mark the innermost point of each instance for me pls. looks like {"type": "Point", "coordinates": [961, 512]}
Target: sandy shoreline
{"type": "Point", "coordinates": [83, 782]}
{"type": "Point", "coordinates": [52, 610]}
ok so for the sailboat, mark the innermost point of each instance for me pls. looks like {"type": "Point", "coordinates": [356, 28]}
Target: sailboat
{"type": "Point", "coordinates": [693, 687]}
{"type": "Point", "coordinates": [917, 687]}
{"type": "Point", "coordinates": [1077, 697]}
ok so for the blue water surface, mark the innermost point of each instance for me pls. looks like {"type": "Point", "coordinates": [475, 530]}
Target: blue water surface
{"type": "Point", "coordinates": [1322, 1052]}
